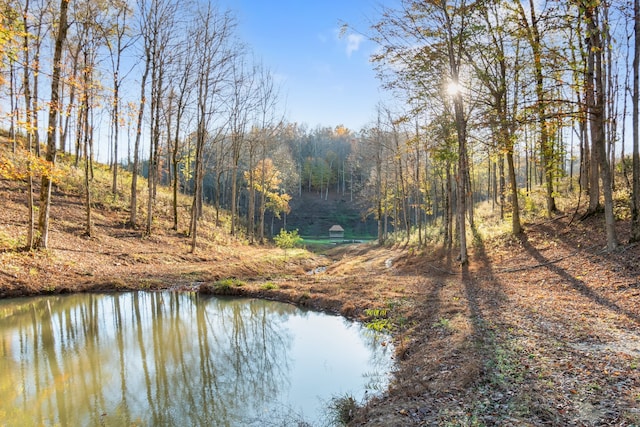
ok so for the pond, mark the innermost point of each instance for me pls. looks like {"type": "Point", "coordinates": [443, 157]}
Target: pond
{"type": "Point", "coordinates": [165, 358]}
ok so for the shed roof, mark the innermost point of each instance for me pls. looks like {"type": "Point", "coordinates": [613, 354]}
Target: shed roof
{"type": "Point", "coordinates": [336, 228]}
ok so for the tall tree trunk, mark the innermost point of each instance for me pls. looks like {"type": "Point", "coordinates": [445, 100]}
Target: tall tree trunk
{"type": "Point", "coordinates": [418, 197]}
{"type": "Point", "coordinates": [263, 209]}
{"type": "Point", "coordinates": [251, 215]}
{"type": "Point", "coordinates": [87, 155]}
{"type": "Point", "coordinates": [379, 196]}
{"type": "Point", "coordinates": [635, 196]}
{"type": "Point", "coordinates": [516, 226]}
{"type": "Point", "coordinates": [596, 104]}
{"type": "Point", "coordinates": [34, 98]}
{"type": "Point", "coordinates": [154, 153]}
{"type": "Point", "coordinates": [45, 189]}
{"type": "Point", "coordinates": [174, 165]}
{"type": "Point", "coordinates": [453, 43]}
{"type": "Point", "coordinates": [197, 190]}
{"type": "Point", "coordinates": [26, 82]}
{"type": "Point", "coordinates": [448, 206]}
{"type": "Point", "coordinates": [116, 128]}
{"type": "Point", "coordinates": [13, 106]}
{"type": "Point", "coordinates": [67, 118]}
{"type": "Point", "coordinates": [461, 179]}
{"type": "Point", "coordinates": [133, 207]}
{"type": "Point", "coordinates": [234, 197]}
{"type": "Point", "coordinates": [546, 147]}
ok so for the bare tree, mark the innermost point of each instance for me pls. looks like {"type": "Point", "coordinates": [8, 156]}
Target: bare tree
{"type": "Point", "coordinates": [595, 99]}
{"type": "Point", "coordinates": [73, 52]}
{"type": "Point", "coordinates": [213, 57]}
{"type": "Point", "coordinates": [531, 24]}
{"type": "Point", "coordinates": [241, 104]}
{"type": "Point", "coordinates": [37, 35]}
{"type": "Point", "coordinates": [144, 25]}
{"type": "Point", "coordinates": [268, 125]}
{"type": "Point", "coordinates": [54, 107]}
{"type": "Point", "coordinates": [29, 122]}
{"type": "Point", "coordinates": [183, 77]}
{"type": "Point", "coordinates": [157, 45]}
{"type": "Point", "coordinates": [115, 41]}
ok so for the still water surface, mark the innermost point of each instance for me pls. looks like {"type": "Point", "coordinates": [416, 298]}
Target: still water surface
{"type": "Point", "coordinates": [152, 359]}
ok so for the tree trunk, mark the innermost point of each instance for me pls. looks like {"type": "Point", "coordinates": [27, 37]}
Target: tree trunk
{"type": "Point", "coordinates": [263, 208]}
{"type": "Point", "coordinates": [154, 153]}
{"type": "Point", "coordinates": [596, 103]}
{"type": "Point", "coordinates": [635, 196]}
{"type": "Point", "coordinates": [448, 205]}
{"type": "Point", "coordinates": [13, 106]}
{"type": "Point", "coordinates": [133, 207]}
{"type": "Point", "coordinates": [174, 163]}
{"type": "Point", "coordinates": [546, 148]}
{"type": "Point", "coordinates": [36, 72]}
{"type": "Point", "coordinates": [461, 180]}
{"type": "Point", "coordinates": [461, 128]}
{"type": "Point", "coordinates": [45, 189]}
{"type": "Point", "coordinates": [516, 226]}
{"type": "Point", "coordinates": [87, 158]}
{"type": "Point", "coordinates": [64, 131]}
{"type": "Point", "coordinates": [234, 196]}
{"type": "Point", "coordinates": [116, 127]}
{"type": "Point", "coordinates": [197, 191]}
{"type": "Point", "coordinates": [29, 128]}
{"type": "Point", "coordinates": [251, 215]}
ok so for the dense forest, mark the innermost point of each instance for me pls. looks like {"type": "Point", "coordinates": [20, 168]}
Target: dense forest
{"type": "Point", "coordinates": [500, 102]}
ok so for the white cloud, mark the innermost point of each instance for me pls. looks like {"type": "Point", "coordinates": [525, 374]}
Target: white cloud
{"type": "Point", "coordinates": [353, 43]}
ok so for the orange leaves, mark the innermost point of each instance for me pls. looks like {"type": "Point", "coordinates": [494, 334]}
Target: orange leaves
{"type": "Point", "coordinates": [22, 164]}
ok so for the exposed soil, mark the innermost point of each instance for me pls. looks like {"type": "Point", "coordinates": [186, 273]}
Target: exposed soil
{"type": "Point", "coordinates": [538, 330]}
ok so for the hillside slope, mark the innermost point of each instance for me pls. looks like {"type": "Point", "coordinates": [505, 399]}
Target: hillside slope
{"type": "Point", "coordinates": [313, 215]}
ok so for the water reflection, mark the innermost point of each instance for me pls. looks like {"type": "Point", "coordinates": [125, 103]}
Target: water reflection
{"type": "Point", "coordinates": [174, 359]}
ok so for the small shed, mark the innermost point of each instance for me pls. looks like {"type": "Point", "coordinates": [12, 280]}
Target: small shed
{"type": "Point", "coordinates": [336, 233]}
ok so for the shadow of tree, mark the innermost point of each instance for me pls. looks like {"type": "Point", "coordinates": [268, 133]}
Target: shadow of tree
{"type": "Point", "coordinates": [577, 284]}
{"type": "Point", "coordinates": [594, 245]}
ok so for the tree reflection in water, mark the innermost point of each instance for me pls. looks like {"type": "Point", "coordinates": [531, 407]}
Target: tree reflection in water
{"type": "Point", "coordinates": [146, 359]}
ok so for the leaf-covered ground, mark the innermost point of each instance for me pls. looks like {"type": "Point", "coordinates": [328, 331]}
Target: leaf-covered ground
{"type": "Point", "coordinates": [538, 330]}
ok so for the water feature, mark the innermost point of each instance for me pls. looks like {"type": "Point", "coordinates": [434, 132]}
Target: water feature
{"type": "Point", "coordinates": [168, 358]}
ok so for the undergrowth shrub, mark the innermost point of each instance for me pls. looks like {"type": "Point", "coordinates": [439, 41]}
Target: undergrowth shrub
{"type": "Point", "coordinates": [342, 410]}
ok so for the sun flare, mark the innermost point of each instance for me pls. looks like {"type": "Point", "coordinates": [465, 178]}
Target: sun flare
{"type": "Point", "coordinates": [454, 88]}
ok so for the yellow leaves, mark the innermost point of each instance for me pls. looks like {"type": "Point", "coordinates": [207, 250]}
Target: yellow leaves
{"type": "Point", "coordinates": [22, 164]}
{"type": "Point", "coordinates": [266, 180]}
{"type": "Point", "coordinates": [9, 33]}
{"type": "Point", "coordinates": [278, 203]}
{"type": "Point", "coordinates": [266, 176]}
{"type": "Point", "coordinates": [341, 130]}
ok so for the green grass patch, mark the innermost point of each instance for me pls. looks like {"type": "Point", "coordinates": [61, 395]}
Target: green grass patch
{"type": "Point", "coordinates": [379, 322]}
{"type": "Point", "coordinates": [269, 286]}
{"type": "Point", "coordinates": [228, 284]}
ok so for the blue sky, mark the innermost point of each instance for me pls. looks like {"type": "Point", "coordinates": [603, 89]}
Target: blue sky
{"type": "Point", "coordinates": [325, 79]}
